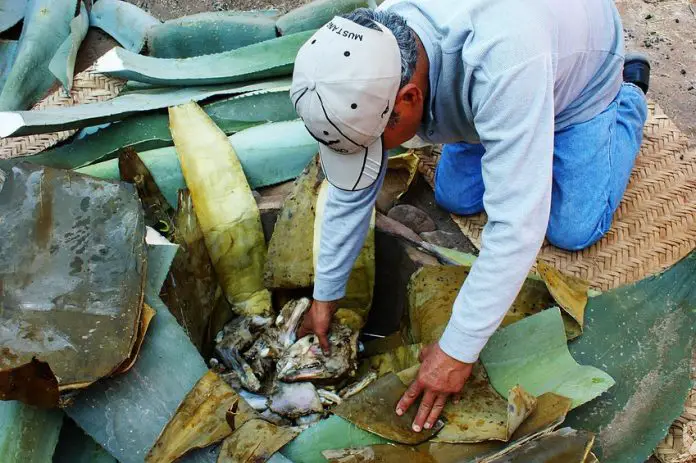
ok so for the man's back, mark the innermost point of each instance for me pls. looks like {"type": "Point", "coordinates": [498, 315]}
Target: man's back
{"type": "Point", "coordinates": [463, 38]}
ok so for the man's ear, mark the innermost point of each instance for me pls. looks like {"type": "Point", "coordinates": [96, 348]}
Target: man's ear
{"type": "Point", "coordinates": [409, 96]}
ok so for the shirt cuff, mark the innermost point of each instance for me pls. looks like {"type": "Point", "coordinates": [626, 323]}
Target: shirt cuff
{"type": "Point", "coordinates": [460, 345]}
{"type": "Point", "coordinates": [329, 290]}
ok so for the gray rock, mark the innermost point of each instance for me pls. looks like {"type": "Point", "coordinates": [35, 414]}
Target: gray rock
{"type": "Point", "coordinates": [275, 418]}
{"type": "Point", "coordinates": [412, 217]}
{"type": "Point", "coordinates": [293, 400]}
{"type": "Point", "coordinates": [446, 239]}
{"type": "Point", "coordinates": [257, 401]}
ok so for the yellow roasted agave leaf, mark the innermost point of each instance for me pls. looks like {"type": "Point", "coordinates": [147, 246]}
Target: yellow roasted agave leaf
{"type": "Point", "coordinates": [378, 453]}
{"type": "Point", "coordinates": [431, 293]}
{"type": "Point", "coordinates": [146, 317]}
{"type": "Point", "coordinates": [289, 263]}
{"type": "Point", "coordinates": [225, 208]}
{"type": "Point", "coordinates": [255, 441]}
{"type": "Point", "coordinates": [352, 319]}
{"type": "Point", "coordinates": [372, 409]}
{"type": "Point", "coordinates": [565, 445]}
{"type": "Point", "coordinates": [550, 412]}
{"type": "Point", "coordinates": [394, 361]}
{"type": "Point", "coordinates": [570, 293]}
{"type": "Point", "coordinates": [433, 289]}
{"type": "Point", "coordinates": [200, 420]}
{"type": "Point", "coordinates": [482, 414]}
{"type": "Point", "coordinates": [401, 170]}
{"type": "Point", "coordinates": [361, 283]}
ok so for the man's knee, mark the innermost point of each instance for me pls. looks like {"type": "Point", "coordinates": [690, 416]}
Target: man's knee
{"type": "Point", "coordinates": [457, 205]}
{"type": "Point", "coordinates": [576, 236]}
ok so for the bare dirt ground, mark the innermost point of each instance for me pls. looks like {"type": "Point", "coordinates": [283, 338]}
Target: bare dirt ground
{"type": "Point", "coordinates": [665, 30]}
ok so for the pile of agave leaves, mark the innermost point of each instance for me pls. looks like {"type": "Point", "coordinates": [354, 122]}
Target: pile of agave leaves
{"type": "Point", "coordinates": [167, 329]}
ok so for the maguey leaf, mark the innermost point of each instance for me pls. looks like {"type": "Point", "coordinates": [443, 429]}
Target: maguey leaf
{"type": "Point", "coordinates": [533, 353]}
{"type": "Point", "coordinates": [123, 21]}
{"type": "Point", "coordinates": [549, 413]}
{"type": "Point", "coordinates": [225, 208]}
{"type": "Point", "coordinates": [28, 434]}
{"type": "Point", "coordinates": [144, 132]}
{"type": "Point", "coordinates": [315, 14]}
{"type": "Point", "coordinates": [331, 433]}
{"type": "Point", "coordinates": [207, 33]}
{"type": "Point", "coordinates": [378, 453]}
{"type": "Point", "coordinates": [8, 51]}
{"type": "Point", "coordinates": [289, 263]}
{"type": "Point", "coordinates": [401, 170]}
{"type": "Point", "coordinates": [74, 446]}
{"type": "Point", "coordinates": [51, 119]}
{"type": "Point", "coordinates": [11, 12]}
{"type": "Point", "coordinates": [200, 419]}
{"type": "Point", "coordinates": [482, 414]}
{"type": "Point", "coordinates": [256, 440]}
{"type": "Point", "coordinates": [433, 289]}
{"type": "Point", "coordinates": [373, 409]}
{"type": "Point", "coordinates": [191, 290]}
{"type": "Point", "coordinates": [158, 213]}
{"type": "Point", "coordinates": [642, 334]}
{"type": "Point", "coordinates": [271, 58]}
{"type": "Point", "coordinates": [126, 413]}
{"type": "Point", "coordinates": [74, 261]}
{"type": "Point", "coordinates": [570, 293]}
{"type": "Point", "coordinates": [566, 445]}
{"type": "Point", "coordinates": [46, 26]}
{"type": "Point", "coordinates": [62, 65]}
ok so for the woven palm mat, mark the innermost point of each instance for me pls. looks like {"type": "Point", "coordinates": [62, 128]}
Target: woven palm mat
{"type": "Point", "coordinates": [653, 228]}
{"type": "Point", "coordinates": [88, 87]}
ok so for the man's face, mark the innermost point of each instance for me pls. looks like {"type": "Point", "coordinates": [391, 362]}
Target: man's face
{"type": "Point", "coordinates": [406, 116]}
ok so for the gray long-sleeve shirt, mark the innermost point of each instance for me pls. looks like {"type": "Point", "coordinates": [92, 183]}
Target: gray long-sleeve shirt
{"type": "Point", "coordinates": [507, 74]}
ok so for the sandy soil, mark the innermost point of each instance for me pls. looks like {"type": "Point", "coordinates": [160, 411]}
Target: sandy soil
{"type": "Point", "coordinates": [666, 31]}
{"type": "Point", "coordinates": [168, 9]}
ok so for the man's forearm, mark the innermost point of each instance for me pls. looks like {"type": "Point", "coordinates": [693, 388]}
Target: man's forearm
{"type": "Point", "coordinates": [514, 116]}
{"type": "Point", "coordinates": [346, 221]}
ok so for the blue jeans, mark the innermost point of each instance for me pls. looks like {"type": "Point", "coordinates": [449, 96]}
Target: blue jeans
{"type": "Point", "coordinates": [592, 162]}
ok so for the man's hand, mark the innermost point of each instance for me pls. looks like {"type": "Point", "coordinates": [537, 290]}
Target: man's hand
{"type": "Point", "coordinates": [317, 320]}
{"type": "Point", "coordinates": [439, 376]}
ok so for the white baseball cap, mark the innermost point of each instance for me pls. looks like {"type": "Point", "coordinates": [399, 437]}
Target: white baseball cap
{"type": "Point", "coordinates": [344, 85]}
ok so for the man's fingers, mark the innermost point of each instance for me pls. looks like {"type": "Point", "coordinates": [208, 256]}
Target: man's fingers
{"type": "Point", "coordinates": [410, 396]}
{"type": "Point", "coordinates": [423, 353]}
{"type": "Point", "coordinates": [456, 398]}
{"type": "Point", "coordinates": [305, 327]}
{"type": "Point", "coordinates": [302, 331]}
{"type": "Point", "coordinates": [426, 405]}
{"type": "Point", "coordinates": [324, 343]}
{"type": "Point", "coordinates": [439, 404]}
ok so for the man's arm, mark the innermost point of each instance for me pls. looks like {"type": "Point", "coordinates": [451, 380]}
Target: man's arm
{"type": "Point", "coordinates": [343, 230]}
{"type": "Point", "coordinates": [514, 116]}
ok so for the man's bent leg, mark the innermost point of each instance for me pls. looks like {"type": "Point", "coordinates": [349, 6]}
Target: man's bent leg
{"type": "Point", "coordinates": [591, 168]}
{"type": "Point", "coordinates": [458, 179]}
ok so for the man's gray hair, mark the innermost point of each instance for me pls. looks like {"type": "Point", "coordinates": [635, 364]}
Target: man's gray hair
{"type": "Point", "coordinates": [405, 36]}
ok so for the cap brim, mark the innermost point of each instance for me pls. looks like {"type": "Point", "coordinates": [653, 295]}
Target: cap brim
{"type": "Point", "coordinates": [352, 172]}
